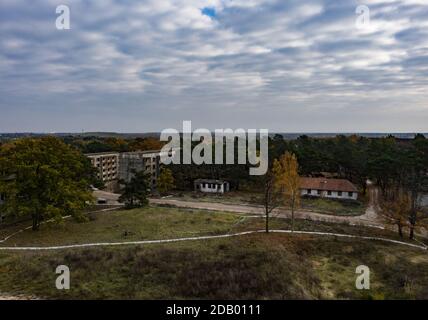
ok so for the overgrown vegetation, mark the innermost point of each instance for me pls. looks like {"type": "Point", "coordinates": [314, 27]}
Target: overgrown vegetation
{"type": "Point", "coordinates": [259, 266]}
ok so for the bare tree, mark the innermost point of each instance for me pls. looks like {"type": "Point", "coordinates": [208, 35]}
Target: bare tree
{"type": "Point", "coordinates": [401, 208]}
{"type": "Point", "coordinates": [418, 218]}
{"type": "Point", "coordinates": [395, 205]}
{"type": "Point", "coordinates": [270, 196]}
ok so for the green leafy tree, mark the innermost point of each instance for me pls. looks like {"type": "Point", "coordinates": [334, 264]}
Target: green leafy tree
{"type": "Point", "coordinates": [135, 192]}
{"type": "Point", "coordinates": [165, 180]}
{"type": "Point", "coordinates": [386, 163]}
{"type": "Point", "coordinates": [44, 178]}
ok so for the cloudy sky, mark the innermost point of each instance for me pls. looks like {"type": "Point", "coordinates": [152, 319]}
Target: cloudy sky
{"type": "Point", "coordinates": [285, 65]}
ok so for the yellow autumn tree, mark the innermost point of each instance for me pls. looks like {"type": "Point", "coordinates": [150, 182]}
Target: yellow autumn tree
{"type": "Point", "coordinates": [287, 181]}
{"type": "Point", "coordinates": [165, 180]}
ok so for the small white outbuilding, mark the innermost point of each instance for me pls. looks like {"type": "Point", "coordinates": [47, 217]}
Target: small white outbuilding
{"type": "Point", "coordinates": [211, 185]}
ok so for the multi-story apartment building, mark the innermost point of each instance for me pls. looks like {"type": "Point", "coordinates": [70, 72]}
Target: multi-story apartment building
{"type": "Point", "coordinates": [147, 161]}
{"type": "Point", "coordinates": [107, 165]}
{"type": "Point", "coordinates": [115, 166]}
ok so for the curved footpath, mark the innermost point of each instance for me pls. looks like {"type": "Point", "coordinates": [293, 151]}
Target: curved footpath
{"type": "Point", "coordinates": [106, 244]}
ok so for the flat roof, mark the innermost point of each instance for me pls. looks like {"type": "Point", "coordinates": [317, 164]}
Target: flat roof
{"type": "Point", "coordinates": [210, 181]}
{"type": "Point", "coordinates": [101, 153]}
{"type": "Point", "coordinates": [142, 152]}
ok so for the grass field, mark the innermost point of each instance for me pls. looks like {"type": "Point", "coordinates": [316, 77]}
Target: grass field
{"type": "Point", "coordinates": [153, 223]}
{"type": "Point", "coordinates": [232, 197]}
{"type": "Point", "coordinates": [257, 266]}
{"type": "Point", "coordinates": [334, 207]}
{"type": "Point", "coordinates": [127, 225]}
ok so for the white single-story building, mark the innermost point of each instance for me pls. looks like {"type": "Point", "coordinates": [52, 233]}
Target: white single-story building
{"type": "Point", "coordinates": [328, 188]}
{"type": "Point", "coordinates": [211, 185]}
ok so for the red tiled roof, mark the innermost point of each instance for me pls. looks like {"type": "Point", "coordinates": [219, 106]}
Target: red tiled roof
{"type": "Point", "coordinates": [327, 184]}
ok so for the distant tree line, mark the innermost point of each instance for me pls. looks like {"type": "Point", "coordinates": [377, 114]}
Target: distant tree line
{"type": "Point", "coordinates": [350, 157]}
{"type": "Point", "coordinates": [93, 144]}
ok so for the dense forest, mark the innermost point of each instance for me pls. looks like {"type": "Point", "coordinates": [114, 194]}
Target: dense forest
{"type": "Point", "coordinates": [383, 160]}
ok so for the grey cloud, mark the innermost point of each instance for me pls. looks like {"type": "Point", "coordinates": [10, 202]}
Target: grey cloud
{"type": "Point", "coordinates": [147, 65]}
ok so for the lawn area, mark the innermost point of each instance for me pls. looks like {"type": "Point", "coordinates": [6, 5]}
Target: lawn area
{"type": "Point", "coordinates": [126, 225]}
{"type": "Point", "coordinates": [334, 207]}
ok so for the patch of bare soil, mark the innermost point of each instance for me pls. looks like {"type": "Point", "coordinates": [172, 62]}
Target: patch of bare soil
{"type": "Point", "coordinates": [4, 296]}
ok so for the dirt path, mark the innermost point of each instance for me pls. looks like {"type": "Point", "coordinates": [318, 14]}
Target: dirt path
{"type": "Point", "coordinates": [369, 218]}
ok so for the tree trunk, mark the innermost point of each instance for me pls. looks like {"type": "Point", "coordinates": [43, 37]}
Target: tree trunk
{"type": "Point", "coordinates": [412, 232]}
{"type": "Point", "coordinates": [35, 217]}
{"type": "Point", "coordinates": [400, 230]}
{"type": "Point", "coordinates": [292, 216]}
{"type": "Point", "coordinates": [413, 214]}
{"type": "Point", "coordinates": [267, 222]}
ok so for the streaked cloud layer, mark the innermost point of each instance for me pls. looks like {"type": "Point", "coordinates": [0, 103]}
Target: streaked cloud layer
{"type": "Point", "coordinates": [147, 65]}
